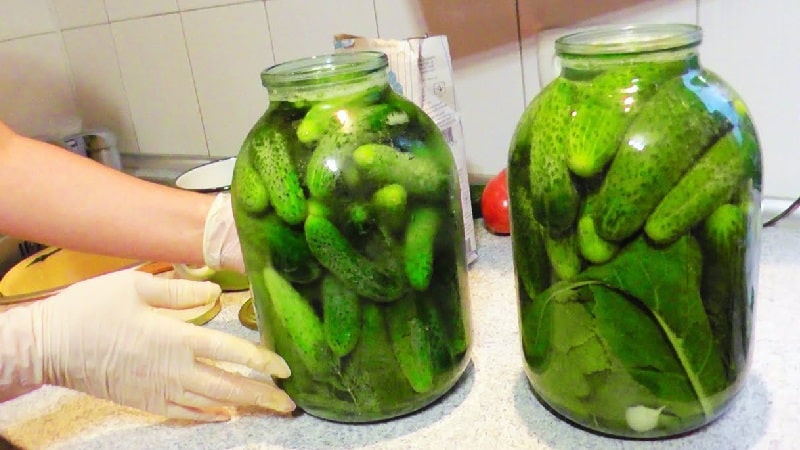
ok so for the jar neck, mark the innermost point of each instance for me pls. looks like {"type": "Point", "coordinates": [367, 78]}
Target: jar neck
{"type": "Point", "coordinates": [605, 47]}
{"type": "Point", "coordinates": [324, 77]}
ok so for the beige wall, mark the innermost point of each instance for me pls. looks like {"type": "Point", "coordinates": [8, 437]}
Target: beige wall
{"type": "Point", "coordinates": [181, 76]}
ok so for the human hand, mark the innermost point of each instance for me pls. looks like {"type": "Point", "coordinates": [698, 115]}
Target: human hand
{"type": "Point", "coordinates": [221, 248]}
{"type": "Point", "coordinates": [103, 337]}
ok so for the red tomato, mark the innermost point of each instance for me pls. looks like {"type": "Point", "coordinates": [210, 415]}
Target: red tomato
{"type": "Point", "coordinates": [494, 204]}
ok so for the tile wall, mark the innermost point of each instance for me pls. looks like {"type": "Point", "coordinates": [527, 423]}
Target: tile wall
{"type": "Point", "coordinates": [181, 76]}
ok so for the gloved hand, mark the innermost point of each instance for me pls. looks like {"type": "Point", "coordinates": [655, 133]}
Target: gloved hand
{"type": "Point", "coordinates": [103, 337]}
{"type": "Point", "coordinates": [221, 249]}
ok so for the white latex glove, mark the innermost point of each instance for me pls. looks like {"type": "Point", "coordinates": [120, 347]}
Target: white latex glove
{"type": "Point", "coordinates": [221, 249]}
{"type": "Point", "coordinates": [103, 337]}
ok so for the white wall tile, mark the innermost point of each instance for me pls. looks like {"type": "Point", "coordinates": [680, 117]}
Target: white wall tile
{"type": "Point", "coordinates": [20, 18]}
{"type": "Point", "coordinates": [35, 88]}
{"type": "Point", "coordinates": [302, 28]}
{"type": "Point", "coordinates": [490, 99]}
{"type": "Point", "coordinates": [158, 79]}
{"type": "Point", "coordinates": [228, 48]}
{"type": "Point", "coordinates": [399, 19]}
{"type": "Point", "coordinates": [129, 9]}
{"type": "Point", "coordinates": [187, 5]}
{"type": "Point", "coordinates": [99, 91]}
{"type": "Point", "coordinates": [80, 13]}
{"type": "Point", "coordinates": [753, 45]}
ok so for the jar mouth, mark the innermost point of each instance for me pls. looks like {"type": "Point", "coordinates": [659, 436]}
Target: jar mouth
{"type": "Point", "coordinates": [331, 68]}
{"type": "Point", "coordinates": [629, 39]}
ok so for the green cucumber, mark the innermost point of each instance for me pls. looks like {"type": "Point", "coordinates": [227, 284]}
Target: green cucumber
{"type": "Point", "coordinates": [725, 288]}
{"type": "Point", "coordinates": [554, 198]}
{"type": "Point", "coordinates": [341, 315]}
{"type": "Point", "coordinates": [325, 173]}
{"type": "Point", "coordinates": [418, 246]}
{"type": "Point", "coordinates": [271, 157]}
{"type": "Point", "coordinates": [592, 247]}
{"type": "Point", "coordinates": [301, 322]}
{"type": "Point", "coordinates": [531, 266]}
{"type": "Point", "coordinates": [247, 188]}
{"type": "Point", "coordinates": [336, 254]}
{"type": "Point", "coordinates": [371, 372]}
{"type": "Point", "coordinates": [707, 185]}
{"type": "Point", "coordinates": [607, 107]}
{"type": "Point", "coordinates": [385, 164]}
{"type": "Point", "coordinates": [389, 203]}
{"type": "Point", "coordinates": [288, 251]}
{"type": "Point", "coordinates": [564, 255]}
{"type": "Point", "coordinates": [667, 136]}
{"type": "Point", "coordinates": [327, 114]}
{"type": "Point", "coordinates": [410, 343]}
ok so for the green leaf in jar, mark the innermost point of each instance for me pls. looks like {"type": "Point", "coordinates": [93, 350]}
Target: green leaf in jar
{"type": "Point", "coordinates": [666, 281]}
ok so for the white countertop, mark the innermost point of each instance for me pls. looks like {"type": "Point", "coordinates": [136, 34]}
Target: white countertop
{"type": "Point", "coordinates": [491, 407]}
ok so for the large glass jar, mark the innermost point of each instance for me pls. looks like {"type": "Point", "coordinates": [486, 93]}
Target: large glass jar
{"type": "Point", "coordinates": [634, 182]}
{"type": "Point", "coordinates": [348, 210]}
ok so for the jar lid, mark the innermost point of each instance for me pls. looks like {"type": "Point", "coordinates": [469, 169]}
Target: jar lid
{"type": "Point", "coordinates": [629, 39]}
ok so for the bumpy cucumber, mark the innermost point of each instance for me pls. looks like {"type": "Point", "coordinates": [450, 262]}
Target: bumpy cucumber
{"type": "Point", "coordinates": [592, 247]}
{"type": "Point", "coordinates": [606, 109]}
{"type": "Point", "coordinates": [371, 372]}
{"type": "Point", "coordinates": [670, 132]}
{"type": "Point", "coordinates": [247, 188]}
{"type": "Point", "coordinates": [271, 157]}
{"type": "Point", "coordinates": [321, 117]}
{"type": "Point", "coordinates": [531, 265]}
{"type": "Point", "coordinates": [555, 199]}
{"type": "Point", "coordinates": [387, 165]}
{"type": "Point", "coordinates": [326, 167]}
{"type": "Point", "coordinates": [300, 321]}
{"type": "Point", "coordinates": [418, 246]}
{"type": "Point", "coordinates": [564, 255]}
{"type": "Point", "coordinates": [336, 254]}
{"type": "Point", "coordinates": [389, 204]}
{"type": "Point", "coordinates": [288, 251]}
{"type": "Point", "coordinates": [341, 315]}
{"type": "Point", "coordinates": [411, 343]}
{"type": "Point", "coordinates": [725, 288]}
{"type": "Point", "coordinates": [707, 185]}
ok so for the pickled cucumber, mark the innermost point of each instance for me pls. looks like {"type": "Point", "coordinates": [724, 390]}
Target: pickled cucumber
{"type": "Point", "coordinates": [300, 321]}
{"type": "Point", "coordinates": [336, 254]}
{"type": "Point", "coordinates": [341, 316]}
{"type": "Point", "coordinates": [270, 155]}
{"type": "Point", "coordinates": [411, 343]}
{"type": "Point", "coordinates": [554, 198]}
{"type": "Point", "coordinates": [707, 185]}
{"type": "Point", "coordinates": [386, 165]}
{"type": "Point", "coordinates": [668, 135]}
{"type": "Point", "coordinates": [605, 111]}
{"type": "Point", "coordinates": [247, 188]}
{"type": "Point", "coordinates": [418, 247]}
{"type": "Point", "coordinates": [288, 251]}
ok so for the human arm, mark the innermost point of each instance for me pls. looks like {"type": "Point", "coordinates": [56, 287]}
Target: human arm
{"type": "Point", "coordinates": [55, 197]}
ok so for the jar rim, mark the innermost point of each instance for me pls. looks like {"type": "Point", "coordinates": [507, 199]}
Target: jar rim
{"type": "Point", "coordinates": [628, 39]}
{"type": "Point", "coordinates": [321, 68]}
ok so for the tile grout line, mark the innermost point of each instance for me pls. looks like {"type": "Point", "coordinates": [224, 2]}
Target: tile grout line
{"type": "Point", "coordinates": [194, 85]}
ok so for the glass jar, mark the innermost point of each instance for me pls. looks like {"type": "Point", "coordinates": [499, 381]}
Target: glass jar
{"type": "Point", "coordinates": [634, 183]}
{"type": "Point", "coordinates": [348, 210]}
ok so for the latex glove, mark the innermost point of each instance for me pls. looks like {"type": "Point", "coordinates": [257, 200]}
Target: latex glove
{"type": "Point", "coordinates": [102, 337]}
{"type": "Point", "coordinates": [221, 249]}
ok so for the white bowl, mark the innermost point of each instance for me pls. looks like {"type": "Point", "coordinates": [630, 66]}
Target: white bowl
{"type": "Point", "coordinates": [214, 176]}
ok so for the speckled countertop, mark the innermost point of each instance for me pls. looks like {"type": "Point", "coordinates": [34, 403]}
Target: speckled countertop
{"type": "Point", "coordinates": [491, 407]}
